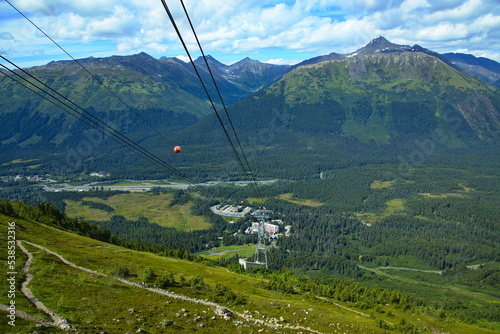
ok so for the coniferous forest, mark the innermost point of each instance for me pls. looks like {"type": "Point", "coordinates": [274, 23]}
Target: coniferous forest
{"type": "Point", "coordinates": [345, 225]}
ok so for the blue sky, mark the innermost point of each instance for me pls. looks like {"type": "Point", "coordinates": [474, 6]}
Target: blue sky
{"type": "Point", "coordinates": [280, 32]}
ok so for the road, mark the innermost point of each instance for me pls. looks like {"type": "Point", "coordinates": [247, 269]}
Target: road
{"type": "Point", "coordinates": [399, 268]}
{"type": "Point", "coordinates": [141, 185]}
{"type": "Point", "coordinates": [229, 251]}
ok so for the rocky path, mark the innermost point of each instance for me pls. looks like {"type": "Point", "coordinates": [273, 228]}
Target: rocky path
{"type": "Point", "coordinates": [348, 309]}
{"type": "Point", "coordinates": [61, 323]}
{"type": "Point", "coordinates": [26, 316]}
{"type": "Point", "coordinates": [344, 307]}
{"type": "Point", "coordinates": [57, 319]}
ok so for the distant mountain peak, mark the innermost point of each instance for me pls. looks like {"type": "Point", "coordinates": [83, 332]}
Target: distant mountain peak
{"type": "Point", "coordinates": [485, 69]}
{"type": "Point", "coordinates": [381, 44]}
{"type": "Point", "coordinates": [380, 41]}
{"type": "Point", "coordinates": [246, 61]}
{"type": "Point", "coordinates": [211, 61]}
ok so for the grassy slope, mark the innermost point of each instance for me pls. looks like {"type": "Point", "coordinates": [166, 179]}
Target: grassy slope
{"type": "Point", "coordinates": [94, 304]}
{"type": "Point", "coordinates": [132, 206]}
{"type": "Point", "coordinates": [289, 197]}
{"type": "Point", "coordinates": [84, 298]}
{"type": "Point", "coordinates": [372, 82]}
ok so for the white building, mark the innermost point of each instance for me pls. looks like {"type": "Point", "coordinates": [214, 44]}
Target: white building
{"type": "Point", "coordinates": [230, 210]}
{"type": "Point", "coordinates": [269, 228]}
{"type": "Point", "coordinates": [247, 264]}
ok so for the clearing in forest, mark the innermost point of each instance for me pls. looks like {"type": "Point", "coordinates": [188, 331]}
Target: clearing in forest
{"type": "Point", "coordinates": [308, 202]}
{"type": "Point", "coordinates": [156, 208]}
{"type": "Point", "coordinates": [393, 206]}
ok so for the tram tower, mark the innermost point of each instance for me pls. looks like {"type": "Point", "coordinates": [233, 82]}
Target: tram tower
{"type": "Point", "coordinates": [263, 216]}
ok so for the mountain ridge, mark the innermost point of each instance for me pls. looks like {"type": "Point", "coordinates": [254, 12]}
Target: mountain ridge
{"type": "Point", "coordinates": [483, 68]}
{"type": "Point", "coordinates": [362, 109]}
{"type": "Point", "coordinates": [385, 98]}
{"type": "Point", "coordinates": [379, 44]}
{"type": "Point", "coordinates": [163, 91]}
{"type": "Point", "coordinates": [248, 74]}
{"type": "Point", "coordinates": [419, 68]}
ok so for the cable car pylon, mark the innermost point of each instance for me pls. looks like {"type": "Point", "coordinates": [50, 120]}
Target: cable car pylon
{"type": "Point", "coordinates": [260, 256]}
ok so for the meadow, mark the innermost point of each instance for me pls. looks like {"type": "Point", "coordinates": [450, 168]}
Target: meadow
{"type": "Point", "coordinates": [156, 208]}
{"type": "Point", "coordinates": [97, 302]}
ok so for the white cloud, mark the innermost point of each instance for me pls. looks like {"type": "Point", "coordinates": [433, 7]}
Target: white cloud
{"type": "Point", "coordinates": [156, 48]}
{"type": "Point", "coordinates": [410, 5]}
{"type": "Point", "coordinates": [281, 61]}
{"type": "Point", "coordinates": [183, 58]}
{"type": "Point", "coordinates": [254, 26]}
{"type": "Point", "coordinates": [469, 10]}
{"type": "Point", "coordinates": [359, 8]}
{"type": "Point", "coordinates": [53, 8]}
{"type": "Point", "coordinates": [443, 32]}
{"type": "Point", "coordinates": [121, 23]}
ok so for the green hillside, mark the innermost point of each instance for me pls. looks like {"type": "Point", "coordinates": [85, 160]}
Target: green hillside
{"type": "Point", "coordinates": [128, 93]}
{"type": "Point", "coordinates": [384, 163]}
{"type": "Point", "coordinates": [387, 97]}
{"type": "Point", "coordinates": [138, 95]}
{"type": "Point", "coordinates": [92, 299]}
{"type": "Point", "coordinates": [381, 108]}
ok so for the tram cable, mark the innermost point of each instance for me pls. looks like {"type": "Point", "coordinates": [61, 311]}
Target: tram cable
{"type": "Point", "coordinates": [247, 172]}
{"type": "Point", "coordinates": [95, 77]}
{"type": "Point", "coordinates": [125, 140]}
{"type": "Point", "coordinates": [91, 120]}
{"type": "Point", "coordinates": [249, 169]}
{"type": "Point", "coordinates": [100, 81]}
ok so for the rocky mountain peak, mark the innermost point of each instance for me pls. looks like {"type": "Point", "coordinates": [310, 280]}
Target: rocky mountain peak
{"type": "Point", "coordinates": [381, 45]}
{"type": "Point", "coordinates": [380, 42]}
{"type": "Point", "coordinates": [210, 60]}
{"type": "Point", "coordinates": [246, 62]}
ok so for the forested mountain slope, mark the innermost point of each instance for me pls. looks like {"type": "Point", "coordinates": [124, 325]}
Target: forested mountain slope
{"type": "Point", "coordinates": [137, 95]}
{"type": "Point", "coordinates": [371, 106]}
{"type": "Point", "coordinates": [378, 106]}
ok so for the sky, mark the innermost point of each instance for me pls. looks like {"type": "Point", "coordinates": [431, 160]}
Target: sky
{"type": "Point", "coordinates": [278, 32]}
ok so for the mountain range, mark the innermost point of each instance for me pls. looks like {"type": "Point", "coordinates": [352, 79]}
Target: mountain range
{"type": "Point", "coordinates": [382, 95]}
{"type": "Point", "coordinates": [485, 69]}
{"type": "Point", "coordinates": [386, 91]}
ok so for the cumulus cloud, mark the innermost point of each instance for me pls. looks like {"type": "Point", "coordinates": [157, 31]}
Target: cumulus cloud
{"type": "Point", "coordinates": [121, 23]}
{"type": "Point", "coordinates": [312, 27]}
{"type": "Point", "coordinates": [183, 58]}
{"type": "Point", "coordinates": [281, 61]}
{"type": "Point", "coordinates": [59, 7]}
{"type": "Point", "coordinates": [467, 11]}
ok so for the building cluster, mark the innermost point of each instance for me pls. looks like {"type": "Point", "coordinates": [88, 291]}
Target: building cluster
{"type": "Point", "coordinates": [269, 228]}
{"type": "Point", "coordinates": [99, 174]}
{"type": "Point", "coordinates": [230, 210]}
{"type": "Point", "coordinates": [30, 178]}
{"type": "Point", "coordinates": [272, 228]}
